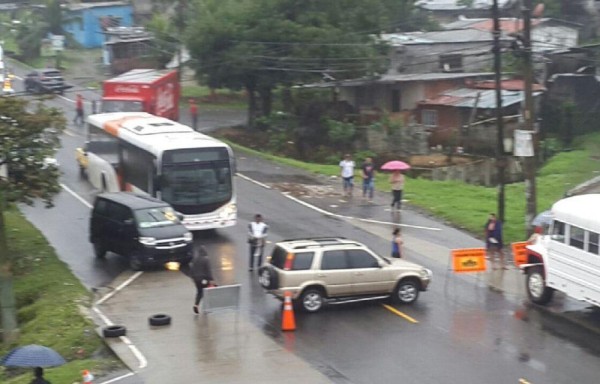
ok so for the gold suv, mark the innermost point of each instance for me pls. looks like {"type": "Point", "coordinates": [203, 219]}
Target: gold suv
{"type": "Point", "coordinates": [336, 270]}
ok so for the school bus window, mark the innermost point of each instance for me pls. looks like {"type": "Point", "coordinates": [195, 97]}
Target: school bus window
{"type": "Point", "coordinates": [592, 246]}
{"type": "Point", "coordinates": [558, 231]}
{"type": "Point", "coordinates": [576, 237]}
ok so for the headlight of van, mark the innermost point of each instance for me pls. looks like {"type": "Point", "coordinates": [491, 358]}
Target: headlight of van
{"type": "Point", "coordinates": [228, 211]}
{"type": "Point", "coordinates": [147, 240]}
{"type": "Point", "coordinates": [188, 236]}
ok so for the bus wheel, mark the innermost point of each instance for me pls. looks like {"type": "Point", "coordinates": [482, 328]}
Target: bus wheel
{"type": "Point", "coordinates": [537, 290]}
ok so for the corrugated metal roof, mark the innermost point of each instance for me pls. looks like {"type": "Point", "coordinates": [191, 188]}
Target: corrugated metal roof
{"type": "Point", "coordinates": [465, 98]}
{"type": "Point", "coordinates": [392, 79]}
{"type": "Point", "coordinates": [436, 37]}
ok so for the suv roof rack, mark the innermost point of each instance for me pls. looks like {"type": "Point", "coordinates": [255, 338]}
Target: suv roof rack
{"type": "Point", "coordinates": [318, 239]}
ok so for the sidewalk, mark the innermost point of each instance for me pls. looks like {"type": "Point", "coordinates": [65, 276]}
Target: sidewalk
{"type": "Point", "coordinates": [220, 347]}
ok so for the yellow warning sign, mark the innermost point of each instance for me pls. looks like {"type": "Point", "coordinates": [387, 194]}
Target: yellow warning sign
{"type": "Point", "coordinates": [468, 260]}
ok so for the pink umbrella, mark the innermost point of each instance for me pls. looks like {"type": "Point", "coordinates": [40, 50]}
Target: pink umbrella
{"type": "Point", "coordinates": [395, 165]}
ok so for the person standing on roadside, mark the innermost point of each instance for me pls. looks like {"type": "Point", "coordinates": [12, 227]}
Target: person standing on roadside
{"type": "Point", "coordinates": [368, 175]}
{"type": "Point", "coordinates": [194, 114]}
{"type": "Point", "coordinates": [347, 167]}
{"type": "Point", "coordinates": [396, 244]}
{"type": "Point", "coordinates": [78, 119]}
{"type": "Point", "coordinates": [397, 182]}
{"type": "Point", "coordinates": [257, 236]}
{"type": "Point", "coordinates": [493, 239]}
{"type": "Point", "coordinates": [200, 272]}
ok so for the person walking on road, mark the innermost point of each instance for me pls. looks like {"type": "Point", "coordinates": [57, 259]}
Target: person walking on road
{"type": "Point", "coordinates": [194, 114]}
{"type": "Point", "coordinates": [347, 167]}
{"type": "Point", "coordinates": [493, 240]}
{"type": "Point", "coordinates": [396, 244]}
{"type": "Point", "coordinates": [257, 236]}
{"type": "Point", "coordinates": [78, 119]}
{"type": "Point", "coordinates": [38, 372]}
{"type": "Point", "coordinates": [368, 175]}
{"type": "Point", "coordinates": [397, 182]}
{"type": "Point", "coordinates": [200, 272]}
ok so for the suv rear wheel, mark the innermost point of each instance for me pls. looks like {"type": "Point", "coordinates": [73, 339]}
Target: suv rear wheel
{"type": "Point", "coordinates": [267, 277]}
{"type": "Point", "coordinates": [312, 300]}
{"type": "Point", "coordinates": [406, 292]}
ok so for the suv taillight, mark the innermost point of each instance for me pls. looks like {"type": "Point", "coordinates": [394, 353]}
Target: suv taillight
{"type": "Point", "coordinates": [289, 259]}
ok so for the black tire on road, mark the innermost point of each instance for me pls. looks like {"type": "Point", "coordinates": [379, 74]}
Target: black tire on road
{"type": "Point", "coordinates": [537, 291]}
{"type": "Point", "coordinates": [406, 291]}
{"type": "Point", "coordinates": [159, 319]}
{"type": "Point", "coordinates": [99, 250]}
{"type": "Point", "coordinates": [312, 300]}
{"type": "Point", "coordinates": [114, 331]}
{"type": "Point", "coordinates": [136, 261]}
{"type": "Point", "coordinates": [267, 277]}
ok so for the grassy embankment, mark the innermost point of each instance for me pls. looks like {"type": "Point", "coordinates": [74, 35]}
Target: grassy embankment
{"type": "Point", "coordinates": [467, 206]}
{"type": "Point", "coordinates": [220, 99]}
{"type": "Point", "coordinates": [50, 300]}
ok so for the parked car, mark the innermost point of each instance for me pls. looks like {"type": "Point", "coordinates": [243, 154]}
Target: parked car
{"type": "Point", "coordinates": [144, 229]}
{"type": "Point", "coordinates": [336, 270]}
{"type": "Point", "coordinates": [47, 80]}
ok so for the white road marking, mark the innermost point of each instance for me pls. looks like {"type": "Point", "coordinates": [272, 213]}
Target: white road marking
{"type": "Point", "coordinates": [327, 213]}
{"type": "Point", "coordinates": [120, 287]}
{"type": "Point", "coordinates": [136, 352]}
{"type": "Point", "coordinates": [118, 378]}
{"type": "Point", "coordinates": [253, 181]}
{"type": "Point", "coordinates": [75, 195]}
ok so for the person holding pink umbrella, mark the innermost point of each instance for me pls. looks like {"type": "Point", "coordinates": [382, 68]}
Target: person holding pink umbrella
{"type": "Point", "coordinates": [397, 182]}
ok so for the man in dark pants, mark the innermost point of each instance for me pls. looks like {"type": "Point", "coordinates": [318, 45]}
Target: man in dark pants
{"type": "Point", "coordinates": [257, 235]}
{"type": "Point", "coordinates": [199, 271]}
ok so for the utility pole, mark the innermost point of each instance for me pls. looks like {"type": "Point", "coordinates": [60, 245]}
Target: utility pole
{"type": "Point", "coordinates": [500, 158]}
{"type": "Point", "coordinates": [180, 28]}
{"type": "Point", "coordinates": [528, 116]}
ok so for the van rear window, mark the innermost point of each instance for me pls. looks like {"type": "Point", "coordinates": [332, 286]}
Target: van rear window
{"type": "Point", "coordinates": [278, 257]}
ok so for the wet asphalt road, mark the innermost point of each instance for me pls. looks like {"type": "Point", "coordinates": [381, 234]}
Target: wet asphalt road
{"type": "Point", "coordinates": [465, 333]}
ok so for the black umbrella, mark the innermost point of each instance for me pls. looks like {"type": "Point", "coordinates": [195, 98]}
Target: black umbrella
{"type": "Point", "coordinates": [32, 356]}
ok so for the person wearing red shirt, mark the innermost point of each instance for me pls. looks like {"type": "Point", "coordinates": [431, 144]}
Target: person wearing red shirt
{"type": "Point", "coordinates": [78, 119]}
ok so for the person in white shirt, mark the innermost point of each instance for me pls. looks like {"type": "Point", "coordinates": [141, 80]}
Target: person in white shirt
{"type": "Point", "coordinates": [257, 235]}
{"type": "Point", "coordinates": [347, 167]}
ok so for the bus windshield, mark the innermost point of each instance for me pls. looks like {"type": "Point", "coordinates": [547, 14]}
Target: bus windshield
{"type": "Point", "coordinates": [196, 177]}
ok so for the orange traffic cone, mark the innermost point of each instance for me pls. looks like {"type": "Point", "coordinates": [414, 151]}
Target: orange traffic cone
{"type": "Point", "coordinates": [87, 377]}
{"type": "Point", "coordinates": [288, 323]}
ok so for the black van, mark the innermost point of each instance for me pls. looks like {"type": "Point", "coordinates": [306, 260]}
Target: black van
{"type": "Point", "coordinates": [142, 228]}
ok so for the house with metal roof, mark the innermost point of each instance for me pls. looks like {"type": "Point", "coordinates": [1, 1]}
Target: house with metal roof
{"type": "Point", "coordinates": [460, 50]}
{"type": "Point", "coordinates": [547, 34]}
{"type": "Point", "coordinates": [465, 117]}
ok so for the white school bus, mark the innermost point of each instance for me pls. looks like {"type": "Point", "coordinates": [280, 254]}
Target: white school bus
{"type": "Point", "coordinates": [567, 258]}
{"type": "Point", "coordinates": [140, 152]}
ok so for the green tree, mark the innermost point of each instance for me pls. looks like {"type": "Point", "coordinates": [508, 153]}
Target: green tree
{"type": "Point", "coordinates": [29, 135]}
{"type": "Point", "coordinates": [259, 45]}
{"type": "Point", "coordinates": [36, 24]}
{"type": "Point", "coordinates": [165, 43]}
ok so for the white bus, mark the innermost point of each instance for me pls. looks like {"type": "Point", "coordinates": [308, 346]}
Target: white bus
{"type": "Point", "coordinates": [140, 152]}
{"type": "Point", "coordinates": [567, 258]}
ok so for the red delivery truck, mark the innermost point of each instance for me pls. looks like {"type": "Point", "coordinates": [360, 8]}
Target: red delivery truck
{"type": "Point", "coordinates": [143, 90]}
